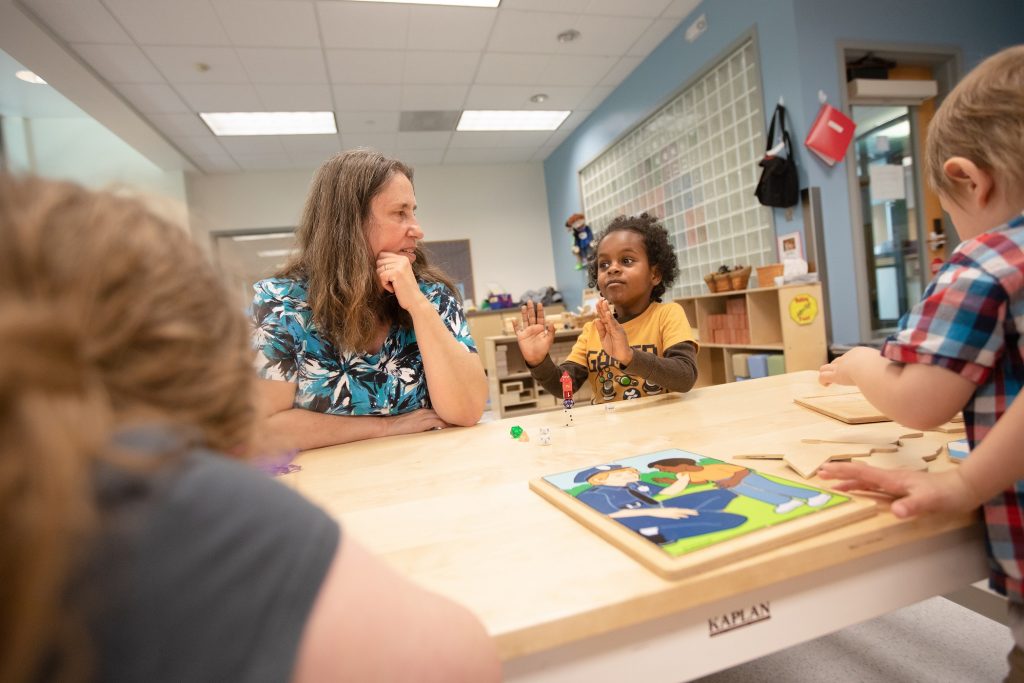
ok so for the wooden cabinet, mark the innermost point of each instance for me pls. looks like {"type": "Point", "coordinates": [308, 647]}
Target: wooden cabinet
{"type": "Point", "coordinates": [513, 390]}
{"type": "Point", "coordinates": [787, 320]}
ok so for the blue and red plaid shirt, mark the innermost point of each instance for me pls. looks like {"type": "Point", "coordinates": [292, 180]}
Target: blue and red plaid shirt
{"type": "Point", "coordinates": [970, 321]}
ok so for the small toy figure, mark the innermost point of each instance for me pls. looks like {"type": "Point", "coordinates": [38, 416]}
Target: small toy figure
{"type": "Point", "coordinates": [567, 402]}
{"type": "Point", "coordinates": [582, 237]}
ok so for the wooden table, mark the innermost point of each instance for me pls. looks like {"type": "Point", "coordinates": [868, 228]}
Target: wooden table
{"type": "Point", "coordinates": [451, 509]}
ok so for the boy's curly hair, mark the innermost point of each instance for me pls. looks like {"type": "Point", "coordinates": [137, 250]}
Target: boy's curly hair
{"type": "Point", "coordinates": [660, 253]}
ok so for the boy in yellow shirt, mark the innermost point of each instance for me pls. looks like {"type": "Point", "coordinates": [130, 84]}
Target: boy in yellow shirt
{"type": "Point", "coordinates": [646, 347]}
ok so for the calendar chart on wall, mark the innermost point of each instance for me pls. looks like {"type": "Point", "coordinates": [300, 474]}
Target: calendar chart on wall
{"type": "Point", "coordinates": [693, 164]}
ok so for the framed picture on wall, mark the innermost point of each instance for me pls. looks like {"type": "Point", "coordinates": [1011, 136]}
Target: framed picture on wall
{"type": "Point", "coordinates": [791, 246]}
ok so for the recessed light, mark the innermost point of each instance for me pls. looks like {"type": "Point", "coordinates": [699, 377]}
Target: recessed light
{"type": "Point", "coordinates": [271, 122]}
{"type": "Point", "coordinates": [29, 77]}
{"type": "Point", "coordinates": [539, 97]}
{"type": "Point", "coordinates": [511, 120]}
{"type": "Point", "coordinates": [568, 36]}
{"type": "Point", "coordinates": [456, 3]}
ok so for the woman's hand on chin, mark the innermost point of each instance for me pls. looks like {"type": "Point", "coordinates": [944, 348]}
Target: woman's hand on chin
{"type": "Point", "coordinates": [396, 276]}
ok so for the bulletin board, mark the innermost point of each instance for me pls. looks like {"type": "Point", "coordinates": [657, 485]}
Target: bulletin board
{"type": "Point", "coordinates": [693, 164]}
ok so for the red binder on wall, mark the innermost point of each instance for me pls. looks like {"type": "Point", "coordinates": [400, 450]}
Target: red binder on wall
{"type": "Point", "coordinates": [830, 134]}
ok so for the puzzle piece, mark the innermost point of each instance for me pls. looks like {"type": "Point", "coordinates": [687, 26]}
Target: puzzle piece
{"type": "Point", "coordinates": [850, 408]}
{"type": "Point", "coordinates": [807, 458]}
{"type": "Point", "coordinates": [915, 454]}
{"type": "Point", "coordinates": [874, 434]}
{"type": "Point", "coordinates": [952, 427]}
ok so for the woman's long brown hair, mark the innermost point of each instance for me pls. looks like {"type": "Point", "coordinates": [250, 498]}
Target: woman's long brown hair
{"type": "Point", "coordinates": [108, 316]}
{"type": "Point", "coordinates": [334, 257]}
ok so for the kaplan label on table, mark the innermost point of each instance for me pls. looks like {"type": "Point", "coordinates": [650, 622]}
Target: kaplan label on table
{"type": "Point", "coordinates": [731, 621]}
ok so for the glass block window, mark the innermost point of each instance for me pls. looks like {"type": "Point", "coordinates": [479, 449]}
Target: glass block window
{"type": "Point", "coordinates": [693, 164]}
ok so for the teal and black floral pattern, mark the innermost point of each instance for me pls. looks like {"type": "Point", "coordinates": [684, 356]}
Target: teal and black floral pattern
{"type": "Point", "coordinates": [291, 349]}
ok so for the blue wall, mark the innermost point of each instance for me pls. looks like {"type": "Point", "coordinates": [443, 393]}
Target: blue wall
{"type": "Point", "coordinates": [797, 45]}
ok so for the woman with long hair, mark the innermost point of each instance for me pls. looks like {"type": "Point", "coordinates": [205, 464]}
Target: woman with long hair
{"type": "Point", "coordinates": [131, 548]}
{"type": "Point", "coordinates": [358, 336]}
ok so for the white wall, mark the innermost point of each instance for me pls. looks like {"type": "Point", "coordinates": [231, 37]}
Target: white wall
{"type": "Point", "coordinates": [501, 209]}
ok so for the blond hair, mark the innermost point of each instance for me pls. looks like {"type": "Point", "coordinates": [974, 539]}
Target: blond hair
{"type": "Point", "coordinates": [982, 120]}
{"type": "Point", "coordinates": [334, 256]}
{"type": "Point", "coordinates": [109, 317]}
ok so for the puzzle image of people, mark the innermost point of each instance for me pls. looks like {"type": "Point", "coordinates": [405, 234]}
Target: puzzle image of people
{"type": "Point", "coordinates": [677, 511]}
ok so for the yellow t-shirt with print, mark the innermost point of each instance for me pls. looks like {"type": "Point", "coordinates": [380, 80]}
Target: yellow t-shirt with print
{"type": "Point", "coordinates": [662, 325]}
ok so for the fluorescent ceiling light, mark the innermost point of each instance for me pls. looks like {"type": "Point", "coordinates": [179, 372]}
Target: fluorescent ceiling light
{"type": "Point", "coordinates": [511, 120]}
{"type": "Point", "coordinates": [271, 122]}
{"type": "Point", "coordinates": [262, 236]}
{"type": "Point", "coordinates": [457, 3]}
{"type": "Point", "coordinates": [29, 77]}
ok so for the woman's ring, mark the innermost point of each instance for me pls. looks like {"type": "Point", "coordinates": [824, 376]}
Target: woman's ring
{"type": "Point", "coordinates": [387, 266]}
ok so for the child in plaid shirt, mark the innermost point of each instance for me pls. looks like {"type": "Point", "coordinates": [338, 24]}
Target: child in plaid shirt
{"type": "Point", "coordinates": [961, 347]}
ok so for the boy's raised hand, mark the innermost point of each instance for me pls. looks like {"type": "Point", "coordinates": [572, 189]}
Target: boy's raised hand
{"type": "Point", "coordinates": [534, 336]}
{"type": "Point", "coordinates": [915, 493]}
{"type": "Point", "coordinates": [612, 336]}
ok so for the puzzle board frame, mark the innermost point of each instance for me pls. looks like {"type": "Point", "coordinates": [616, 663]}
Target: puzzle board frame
{"type": "Point", "coordinates": [707, 558]}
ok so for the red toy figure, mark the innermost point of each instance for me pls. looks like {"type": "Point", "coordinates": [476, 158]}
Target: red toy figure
{"type": "Point", "coordinates": [566, 380]}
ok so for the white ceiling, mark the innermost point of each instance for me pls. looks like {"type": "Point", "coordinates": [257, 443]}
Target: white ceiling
{"type": "Point", "coordinates": [365, 61]}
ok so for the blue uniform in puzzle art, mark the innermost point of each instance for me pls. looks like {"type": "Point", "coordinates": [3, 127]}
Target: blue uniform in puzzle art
{"type": "Point", "coordinates": [611, 499]}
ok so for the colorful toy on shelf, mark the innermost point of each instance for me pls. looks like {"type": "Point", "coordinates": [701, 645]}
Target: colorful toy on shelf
{"type": "Point", "coordinates": [582, 238]}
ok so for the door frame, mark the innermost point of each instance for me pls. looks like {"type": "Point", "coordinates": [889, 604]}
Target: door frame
{"type": "Point", "coordinates": [946, 63]}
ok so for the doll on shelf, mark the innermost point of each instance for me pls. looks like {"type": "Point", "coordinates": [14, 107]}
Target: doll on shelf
{"type": "Point", "coordinates": [582, 237]}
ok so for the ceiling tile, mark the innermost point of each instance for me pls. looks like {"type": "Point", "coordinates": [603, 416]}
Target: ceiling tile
{"type": "Point", "coordinates": [509, 155]}
{"type": "Point", "coordinates": [363, 25]}
{"type": "Point", "coordinates": [221, 163]}
{"type": "Point", "coordinates": [652, 37]}
{"type": "Point", "coordinates": [265, 163]}
{"type": "Point", "coordinates": [533, 32]}
{"type": "Point", "coordinates": [119, 63]}
{"type": "Point", "coordinates": [382, 142]}
{"type": "Point", "coordinates": [295, 97]}
{"type": "Point", "coordinates": [503, 68]}
{"type": "Point", "coordinates": [158, 22]}
{"type": "Point", "coordinates": [311, 148]}
{"type": "Point", "coordinates": [367, 97]}
{"type": "Point", "coordinates": [518, 96]}
{"type": "Point", "coordinates": [175, 125]}
{"type": "Point", "coordinates": [365, 66]}
{"type": "Point", "coordinates": [207, 145]}
{"type": "Point", "coordinates": [422, 157]}
{"type": "Point", "coordinates": [499, 139]}
{"type": "Point", "coordinates": [268, 23]}
{"type": "Point", "coordinates": [220, 97]}
{"type": "Point", "coordinates": [433, 97]}
{"type": "Point", "coordinates": [628, 8]}
{"type": "Point", "coordinates": [440, 67]}
{"type": "Point", "coordinates": [283, 65]}
{"type": "Point", "coordinates": [250, 146]}
{"type": "Point", "coordinates": [543, 153]}
{"type": "Point", "coordinates": [620, 70]}
{"type": "Point", "coordinates": [79, 21]}
{"type": "Point", "coordinates": [407, 141]}
{"type": "Point", "coordinates": [449, 28]}
{"type": "Point", "coordinates": [596, 96]}
{"type": "Point", "coordinates": [178, 64]}
{"type": "Point", "coordinates": [678, 9]}
{"type": "Point", "coordinates": [574, 70]}
{"type": "Point", "coordinates": [153, 98]}
{"type": "Point", "coordinates": [605, 35]}
{"type": "Point", "coordinates": [367, 121]}
{"type": "Point", "coordinates": [574, 6]}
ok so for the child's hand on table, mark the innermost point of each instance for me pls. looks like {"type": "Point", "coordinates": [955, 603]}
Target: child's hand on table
{"type": "Point", "coordinates": [612, 336]}
{"type": "Point", "coordinates": [915, 493]}
{"type": "Point", "coordinates": [534, 336]}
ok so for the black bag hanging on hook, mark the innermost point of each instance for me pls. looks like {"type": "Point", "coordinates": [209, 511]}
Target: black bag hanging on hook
{"type": "Point", "coordinates": [779, 185]}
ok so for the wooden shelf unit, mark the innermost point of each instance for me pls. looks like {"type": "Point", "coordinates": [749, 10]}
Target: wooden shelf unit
{"type": "Point", "coordinates": [788, 319]}
{"type": "Point", "coordinates": [488, 323]}
{"type": "Point", "coordinates": [513, 390]}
